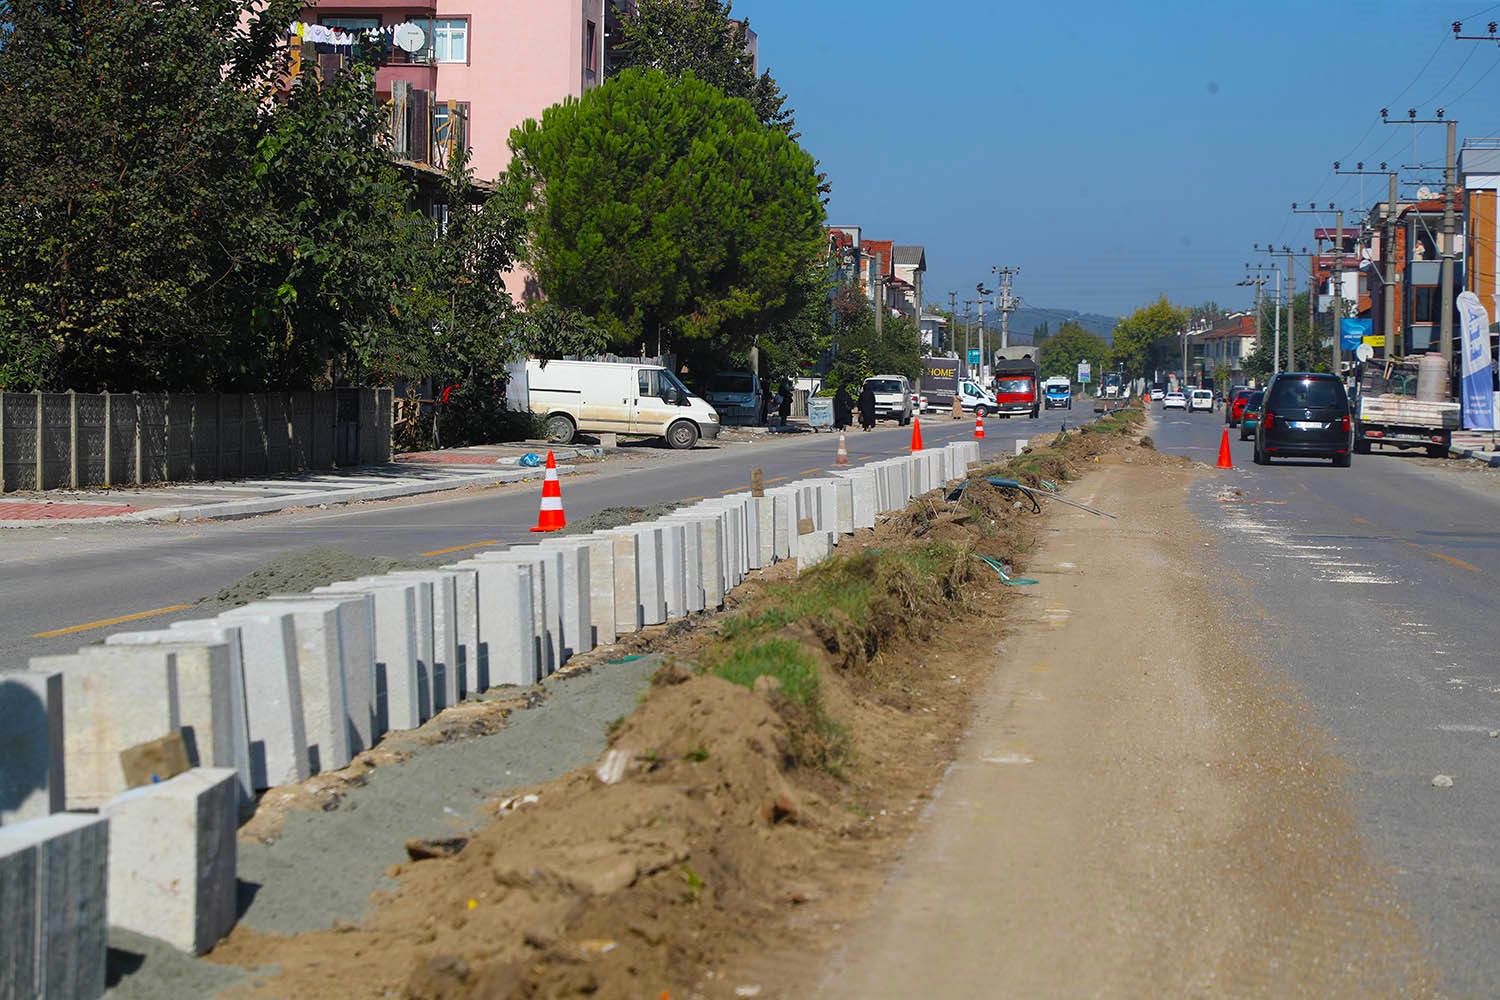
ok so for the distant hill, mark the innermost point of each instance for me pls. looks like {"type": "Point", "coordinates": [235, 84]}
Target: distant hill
{"type": "Point", "coordinates": [1026, 319]}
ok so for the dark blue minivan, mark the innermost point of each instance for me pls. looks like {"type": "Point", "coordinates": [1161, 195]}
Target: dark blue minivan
{"type": "Point", "coordinates": [1305, 415]}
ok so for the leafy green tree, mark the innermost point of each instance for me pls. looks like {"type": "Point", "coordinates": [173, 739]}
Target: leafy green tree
{"type": "Point", "coordinates": [1148, 338]}
{"type": "Point", "coordinates": [700, 37]}
{"type": "Point", "coordinates": [1311, 355]}
{"type": "Point", "coordinates": [667, 212]}
{"type": "Point", "coordinates": [164, 226]}
{"type": "Point", "coordinates": [1042, 332]}
{"type": "Point", "coordinates": [1061, 352]}
{"type": "Point", "coordinates": [858, 352]}
{"type": "Point", "coordinates": [334, 252]}
{"type": "Point", "coordinates": [127, 126]}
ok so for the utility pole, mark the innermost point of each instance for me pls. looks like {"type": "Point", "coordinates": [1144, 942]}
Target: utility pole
{"type": "Point", "coordinates": [1445, 307]}
{"type": "Point", "coordinates": [983, 355]}
{"type": "Point", "coordinates": [1387, 252]}
{"type": "Point", "coordinates": [969, 341]}
{"type": "Point", "coordinates": [1291, 299]}
{"type": "Point", "coordinates": [1258, 281]}
{"type": "Point", "coordinates": [1008, 303]}
{"type": "Point", "coordinates": [1338, 293]}
{"type": "Point", "coordinates": [1445, 324]}
{"type": "Point", "coordinates": [1338, 306]}
{"type": "Point", "coordinates": [953, 323]}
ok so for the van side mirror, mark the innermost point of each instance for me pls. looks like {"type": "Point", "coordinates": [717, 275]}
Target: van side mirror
{"type": "Point", "coordinates": [669, 394]}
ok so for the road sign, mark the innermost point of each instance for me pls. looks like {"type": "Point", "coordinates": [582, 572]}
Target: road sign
{"type": "Point", "coordinates": [1084, 371]}
{"type": "Point", "coordinates": [973, 358]}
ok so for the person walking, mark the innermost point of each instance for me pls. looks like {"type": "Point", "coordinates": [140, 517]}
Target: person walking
{"type": "Point", "coordinates": [786, 403]}
{"type": "Point", "coordinates": [843, 409]}
{"type": "Point", "coordinates": [867, 407]}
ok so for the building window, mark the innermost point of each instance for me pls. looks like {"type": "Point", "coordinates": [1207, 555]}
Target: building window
{"type": "Point", "coordinates": [444, 124]}
{"type": "Point", "coordinates": [450, 40]}
{"type": "Point", "coordinates": [591, 48]}
{"type": "Point", "coordinates": [350, 23]}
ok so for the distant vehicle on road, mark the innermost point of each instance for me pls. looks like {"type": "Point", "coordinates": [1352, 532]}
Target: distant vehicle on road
{"type": "Point", "coordinates": [621, 398]}
{"type": "Point", "coordinates": [1158, 392]}
{"type": "Point", "coordinates": [1201, 399]}
{"type": "Point", "coordinates": [893, 398]}
{"type": "Point", "coordinates": [1388, 412]}
{"type": "Point", "coordinates": [1236, 406]}
{"type": "Point", "coordinates": [1016, 389]}
{"type": "Point", "coordinates": [1305, 415]}
{"type": "Point", "coordinates": [1111, 386]}
{"type": "Point", "coordinates": [1174, 401]}
{"type": "Point", "coordinates": [1250, 417]}
{"type": "Point", "coordinates": [735, 395]}
{"type": "Point", "coordinates": [1057, 391]}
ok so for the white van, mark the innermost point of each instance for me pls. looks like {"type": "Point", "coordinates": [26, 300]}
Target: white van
{"type": "Point", "coordinates": [892, 397]}
{"type": "Point", "coordinates": [617, 398]}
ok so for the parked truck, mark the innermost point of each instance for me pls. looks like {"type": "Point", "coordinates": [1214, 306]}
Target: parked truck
{"type": "Point", "coordinates": [1111, 391]}
{"type": "Point", "coordinates": [1389, 412]}
{"type": "Point", "coordinates": [1017, 388]}
{"type": "Point", "coordinates": [941, 381]}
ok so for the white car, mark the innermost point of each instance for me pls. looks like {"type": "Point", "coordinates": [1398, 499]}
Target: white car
{"type": "Point", "coordinates": [1201, 399]}
{"type": "Point", "coordinates": [893, 397]}
{"type": "Point", "coordinates": [1174, 401]}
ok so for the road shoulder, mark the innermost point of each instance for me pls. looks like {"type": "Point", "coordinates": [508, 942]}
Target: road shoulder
{"type": "Point", "coordinates": [1138, 808]}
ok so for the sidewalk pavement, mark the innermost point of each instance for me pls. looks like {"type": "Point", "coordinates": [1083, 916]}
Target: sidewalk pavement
{"type": "Point", "coordinates": [509, 454]}
{"type": "Point", "coordinates": [1482, 446]}
{"type": "Point", "coordinates": [248, 497]}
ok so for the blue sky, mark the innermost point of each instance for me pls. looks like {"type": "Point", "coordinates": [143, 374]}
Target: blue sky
{"type": "Point", "coordinates": [1114, 150]}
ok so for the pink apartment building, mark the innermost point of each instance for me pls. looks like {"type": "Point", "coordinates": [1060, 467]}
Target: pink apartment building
{"type": "Point", "coordinates": [500, 61]}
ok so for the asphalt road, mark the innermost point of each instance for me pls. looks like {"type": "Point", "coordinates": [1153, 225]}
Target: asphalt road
{"type": "Point", "coordinates": [68, 579]}
{"type": "Point", "coordinates": [1376, 590]}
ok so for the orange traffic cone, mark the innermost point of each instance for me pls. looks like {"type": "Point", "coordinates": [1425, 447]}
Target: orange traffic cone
{"type": "Point", "coordinates": [916, 434]}
{"type": "Point", "coordinates": [551, 516]}
{"type": "Point", "coordinates": [1225, 461]}
{"type": "Point", "coordinates": [843, 458]}
{"type": "Point", "coordinates": [978, 427]}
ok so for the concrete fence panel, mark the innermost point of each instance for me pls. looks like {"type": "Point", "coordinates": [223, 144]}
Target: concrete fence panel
{"type": "Point", "coordinates": [56, 440]}
{"type": "Point", "coordinates": [151, 437]}
{"type": "Point", "coordinates": [120, 412]}
{"type": "Point", "coordinates": [66, 439]}
{"type": "Point", "coordinates": [180, 456]}
{"type": "Point", "coordinates": [88, 453]}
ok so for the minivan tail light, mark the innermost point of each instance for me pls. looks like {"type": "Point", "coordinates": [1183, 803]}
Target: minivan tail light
{"type": "Point", "coordinates": [1345, 425]}
{"type": "Point", "coordinates": [1267, 420]}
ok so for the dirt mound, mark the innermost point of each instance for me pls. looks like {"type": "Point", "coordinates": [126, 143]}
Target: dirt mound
{"type": "Point", "coordinates": [704, 821]}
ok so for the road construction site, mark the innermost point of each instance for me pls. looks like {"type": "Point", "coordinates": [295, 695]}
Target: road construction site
{"type": "Point", "coordinates": [900, 766]}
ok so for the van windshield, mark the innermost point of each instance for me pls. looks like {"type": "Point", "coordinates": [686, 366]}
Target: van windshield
{"type": "Point", "coordinates": [1308, 393]}
{"type": "Point", "coordinates": [884, 385]}
{"type": "Point", "coordinates": [740, 383]}
{"type": "Point", "coordinates": [668, 379]}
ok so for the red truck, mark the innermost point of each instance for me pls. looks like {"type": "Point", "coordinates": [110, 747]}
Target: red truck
{"type": "Point", "coordinates": [1017, 388]}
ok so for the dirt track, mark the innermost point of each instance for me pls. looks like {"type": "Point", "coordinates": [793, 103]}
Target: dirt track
{"type": "Point", "coordinates": [1137, 808]}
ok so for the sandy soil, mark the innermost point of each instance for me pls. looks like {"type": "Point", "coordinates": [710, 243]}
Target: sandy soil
{"type": "Point", "coordinates": [1137, 809]}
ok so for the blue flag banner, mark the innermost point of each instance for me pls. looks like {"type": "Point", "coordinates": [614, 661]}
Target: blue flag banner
{"type": "Point", "coordinates": [1352, 332]}
{"type": "Point", "coordinates": [1478, 384]}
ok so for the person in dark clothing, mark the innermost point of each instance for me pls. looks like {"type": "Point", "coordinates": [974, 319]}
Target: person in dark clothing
{"type": "Point", "coordinates": [786, 403]}
{"type": "Point", "coordinates": [765, 402]}
{"type": "Point", "coordinates": [843, 409]}
{"type": "Point", "coordinates": [867, 408]}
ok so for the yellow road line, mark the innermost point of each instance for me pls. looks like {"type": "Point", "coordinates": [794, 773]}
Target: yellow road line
{"type": "Point", "coordinates": [1360, 520]}
{"type": "Point", "coordinates": [1445, 558]}
{"type": "Point", "coordinates": [105, 623]}
{"type": "Point", "coordinates": [460, 548]}
{"type": "Point", "coordinates": [809, 472]}
{"type": "Point", "coordinates": [1457, 562]}
{"type": "Point", "coordinates": [693, 499]}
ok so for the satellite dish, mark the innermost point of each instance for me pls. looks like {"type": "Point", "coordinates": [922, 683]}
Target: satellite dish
{"type": "Point", "coordinates": [1364, 352]}
{"type": "Point", "coordinates": [409, 37]}
{"type": "Point", "coordinates": [1425, 193]}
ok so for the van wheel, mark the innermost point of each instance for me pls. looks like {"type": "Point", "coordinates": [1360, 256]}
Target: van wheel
{"type": "Point", "coordinates": [1437, 451]}
{"type": "Point", "coordinates": [980, 411]}
{"type": "Point", "coordinates": [561, 429]}
{"type": "Point", "coordinates": [1361, 446]}
{"type": "Point", "coordinates": [903, 421]}
{"type": "Point", "coordinates": [1342, 461]}
{"type": "Point", "coordinates": [682, 435]}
